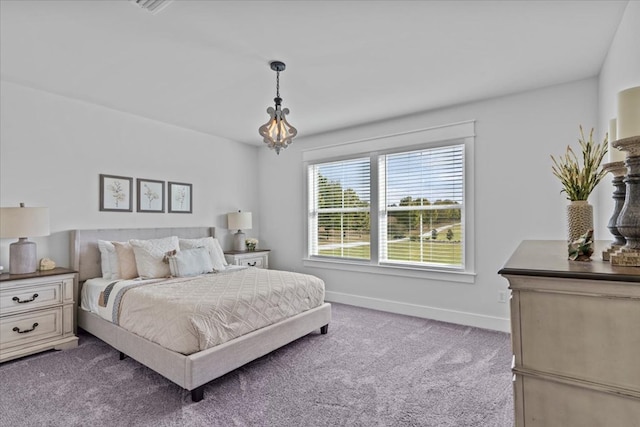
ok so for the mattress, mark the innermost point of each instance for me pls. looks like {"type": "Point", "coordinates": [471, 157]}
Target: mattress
{"type": "Point", "coordinates": [187, 315]}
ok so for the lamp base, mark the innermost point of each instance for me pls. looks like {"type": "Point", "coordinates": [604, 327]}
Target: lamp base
{"type": "Point", "coordinates": [239, 243]}
{"type": "Point", "coordinates": [23, 257]}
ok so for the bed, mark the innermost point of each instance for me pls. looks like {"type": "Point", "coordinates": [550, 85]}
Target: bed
{"type": "Point", "coordinates": [190, 371]}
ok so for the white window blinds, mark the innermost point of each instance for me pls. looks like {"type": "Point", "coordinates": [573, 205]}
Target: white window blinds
{"type": "Point", "coordinates": [421, 202]}
{"type": "Point", "coordinates": [339, 209]}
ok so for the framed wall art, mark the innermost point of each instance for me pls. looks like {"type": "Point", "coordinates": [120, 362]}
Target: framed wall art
{"type": "Point", "coordinates": [180, 200]}
{"type": "Point", "coordinates": [150, 195]}
{"type": "Point", "coordinates": [116, 193]}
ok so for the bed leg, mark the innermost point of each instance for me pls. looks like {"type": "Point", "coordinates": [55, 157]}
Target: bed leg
{"type": "Point", "coordinates": [122, 356]}
{"type": "Point", "coordinates": [197, 394]}
{"type": "Point", "coordinates": [324, 329]}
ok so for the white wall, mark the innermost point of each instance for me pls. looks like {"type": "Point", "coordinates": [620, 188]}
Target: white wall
{"type": "Point", "coordinates": [620, 70]}
{"type": "Point", "coordinates": [52, 150]}
{"type": "Point", "coordinates": [517, 198]}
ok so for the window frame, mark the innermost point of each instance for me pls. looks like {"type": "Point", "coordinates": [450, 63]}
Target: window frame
{"type": "Point", "coordinates": [453, 134]}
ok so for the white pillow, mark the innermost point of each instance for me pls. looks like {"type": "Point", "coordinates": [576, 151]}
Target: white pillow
{"type": "Point", "coordinates": [105, 262]}
{"type": "Point", "coordinates": [213, 246]}
{"type": "Point", "coordinates": [109, 260]}
{"type": "Point", "coordinates": [190, 262]}
{"type": "Point", "coordinates": [149, 256]}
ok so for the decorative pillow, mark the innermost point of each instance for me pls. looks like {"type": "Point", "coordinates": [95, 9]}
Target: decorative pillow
{"type": "Point", "coordinates": [149, 256]}
{"type": "Point", "coordinates": [212, 245]}
{"type": "Point", "coordinates": [126, 261]}
{"type": "Point", "coordinates": [190, 262]}
{"type": "Point", "coordinates": [106, 249]}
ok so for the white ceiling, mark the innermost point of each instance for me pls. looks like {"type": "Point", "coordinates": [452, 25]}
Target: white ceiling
{"type": "Point", "coordinates": [204, 65]}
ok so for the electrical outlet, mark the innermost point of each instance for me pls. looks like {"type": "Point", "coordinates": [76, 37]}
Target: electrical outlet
{"type": "Point", "coordinates": [503, 296]}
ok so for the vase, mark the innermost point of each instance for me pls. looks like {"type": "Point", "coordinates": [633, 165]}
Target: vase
{"type": "Point", "coordinates": [579, 219]}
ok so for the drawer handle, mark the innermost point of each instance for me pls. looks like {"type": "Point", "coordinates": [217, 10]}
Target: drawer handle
{"type": "Point", "coordinates": [16, 299]}
{"type": "Point", "coordinates": [252, 265]}
{"type": "Point", "coordinates": [16, 329]}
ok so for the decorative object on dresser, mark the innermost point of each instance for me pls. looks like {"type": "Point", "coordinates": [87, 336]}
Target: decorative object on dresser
{"type": "Point", "coordinates": [251, 244]}
{"type": "Point", "coordinates": [618, 170]}
{"type": "Point", "coordinates": [258, 258]}
{"type": "Point", "coordinates": [150, 195]}
{"type": "Point", "coordinates": [574, 329]}
{"type": "Point", "coordinates": [22, 222]}
{"type": "Point", "coordinates": [628, 134]}
{"type": "Point", "coordinates": [46, 264]}
{"type": "Point", "coordinates": [582, 249]}
{"type": "Point", "coordinates": [180, 197]}
{"type": "Point", "coordinates": [277, 133]}
{"type": "Point", "coordinates": [239, 221]}
{"type": "Point", "coordinates": [578, 181]}
{"type": "Point", "coordinates": [37, 312]}
{"type": "Point", "coordinates": [116, 193]}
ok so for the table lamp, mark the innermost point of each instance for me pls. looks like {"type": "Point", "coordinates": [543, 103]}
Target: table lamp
{"type": "Point", "coordinates": [239, 220]}
{"type": "Point", "coordinates": [21, 222]}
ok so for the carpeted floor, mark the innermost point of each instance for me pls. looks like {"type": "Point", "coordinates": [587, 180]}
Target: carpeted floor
{"type": "Point", "coordinates": [372, 369]}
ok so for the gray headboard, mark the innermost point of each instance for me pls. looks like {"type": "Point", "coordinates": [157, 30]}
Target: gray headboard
{"type": "Point", "coordinates": [85, 255]}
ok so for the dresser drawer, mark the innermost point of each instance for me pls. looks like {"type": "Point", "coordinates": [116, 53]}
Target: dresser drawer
{"type": "Point", "coordinates": [33, 297]}
{"type": "Point", "coordinates": [258, 259]}
{"type": "Point", "coordinates": [253, 262]}
{"type": "Point", "coordinates": [591, 338]}
{"type": "Point", "coordinates": [29, 327]}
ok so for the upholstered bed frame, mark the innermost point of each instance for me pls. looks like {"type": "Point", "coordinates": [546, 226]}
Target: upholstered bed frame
{"type": "Point", "coordinates": [191, 372]}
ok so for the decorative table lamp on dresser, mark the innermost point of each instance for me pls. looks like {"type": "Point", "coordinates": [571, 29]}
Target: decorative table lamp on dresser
{"type": "Point", "coordinates": [239, 221]}
{"type": "Point", "coordinates": [22, 223]}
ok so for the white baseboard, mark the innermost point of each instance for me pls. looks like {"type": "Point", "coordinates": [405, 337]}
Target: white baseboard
{"type": "Point", "coordinates": [443, 315]}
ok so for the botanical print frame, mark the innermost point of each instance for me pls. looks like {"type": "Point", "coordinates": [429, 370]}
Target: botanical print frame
{"type": "Point", "coordinates": [150, 195]}
{"type": "Point", "coordinates": [180, 197]}
{"type": "Point", "coordinates": [116, 193]}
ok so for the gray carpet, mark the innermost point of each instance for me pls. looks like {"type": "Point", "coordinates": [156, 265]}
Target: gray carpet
{"type": "Point", "coordinates": [372, 369]}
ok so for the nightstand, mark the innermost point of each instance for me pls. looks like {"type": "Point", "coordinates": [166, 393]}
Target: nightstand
{"type": "Point", "coordinates": [37, 312]}
{"type": "Point", "coordinates": [258, 258]}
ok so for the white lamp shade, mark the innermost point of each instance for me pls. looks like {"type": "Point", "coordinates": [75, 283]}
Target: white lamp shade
{"type": "Point", "coordinates": [24, 222]}
{"type": "Point", "coordinates": [239, 220]}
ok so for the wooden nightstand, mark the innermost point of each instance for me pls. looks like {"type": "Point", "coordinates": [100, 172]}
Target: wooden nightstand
{"type": "Point", "coordinates": [258, 258]}
{"type": "Point", "coordinates": [37, 312]}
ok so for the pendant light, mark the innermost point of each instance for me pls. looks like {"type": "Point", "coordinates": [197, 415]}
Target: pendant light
{"type": "Point", "coordinates": [277, 132]}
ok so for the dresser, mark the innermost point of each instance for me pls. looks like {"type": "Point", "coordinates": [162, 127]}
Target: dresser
{"type": "Point", "coordinates": [575, 329]}
{"type": "Point", "coordinates": [258, 258]}
{"type": "Point", "coordinates": [37, 312]}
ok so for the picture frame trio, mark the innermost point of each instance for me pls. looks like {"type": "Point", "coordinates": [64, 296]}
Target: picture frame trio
{"type": "Point", "coordinates": [116, 195]}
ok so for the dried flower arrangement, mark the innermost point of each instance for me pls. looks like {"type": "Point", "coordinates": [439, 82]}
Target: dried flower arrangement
{"type": "Point", "coordinates": [579, 182]}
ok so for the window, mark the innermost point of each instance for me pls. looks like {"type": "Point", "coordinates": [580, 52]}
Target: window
{"type": "Point", "coordinates": [403, 208]}
{"type": "Point", "coordinates": [340, 209]}
{"type": "Point", "coordinates": [421, 203]}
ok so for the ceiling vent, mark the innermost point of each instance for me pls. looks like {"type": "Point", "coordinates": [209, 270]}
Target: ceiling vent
{"type": "Point", "coordinates": [152, 6]}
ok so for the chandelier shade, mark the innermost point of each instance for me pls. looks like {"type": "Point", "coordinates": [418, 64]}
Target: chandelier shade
{"type": "Point", "coordinates": [277, 133]}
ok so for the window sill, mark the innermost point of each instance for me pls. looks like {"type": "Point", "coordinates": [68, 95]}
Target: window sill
{"type": "Point", "coordinates": [392, 270]}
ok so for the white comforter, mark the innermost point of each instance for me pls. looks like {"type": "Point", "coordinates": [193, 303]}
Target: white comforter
{"type": "Point", "coordinates": [188, 315]}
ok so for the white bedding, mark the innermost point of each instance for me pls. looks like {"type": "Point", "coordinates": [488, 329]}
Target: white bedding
{"type": "Point", "coordinates": [188, 315]}
{"type": "Point", "coordinates": [91, 293]}
{"type": "Point", "coordinates": [91, 289]}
